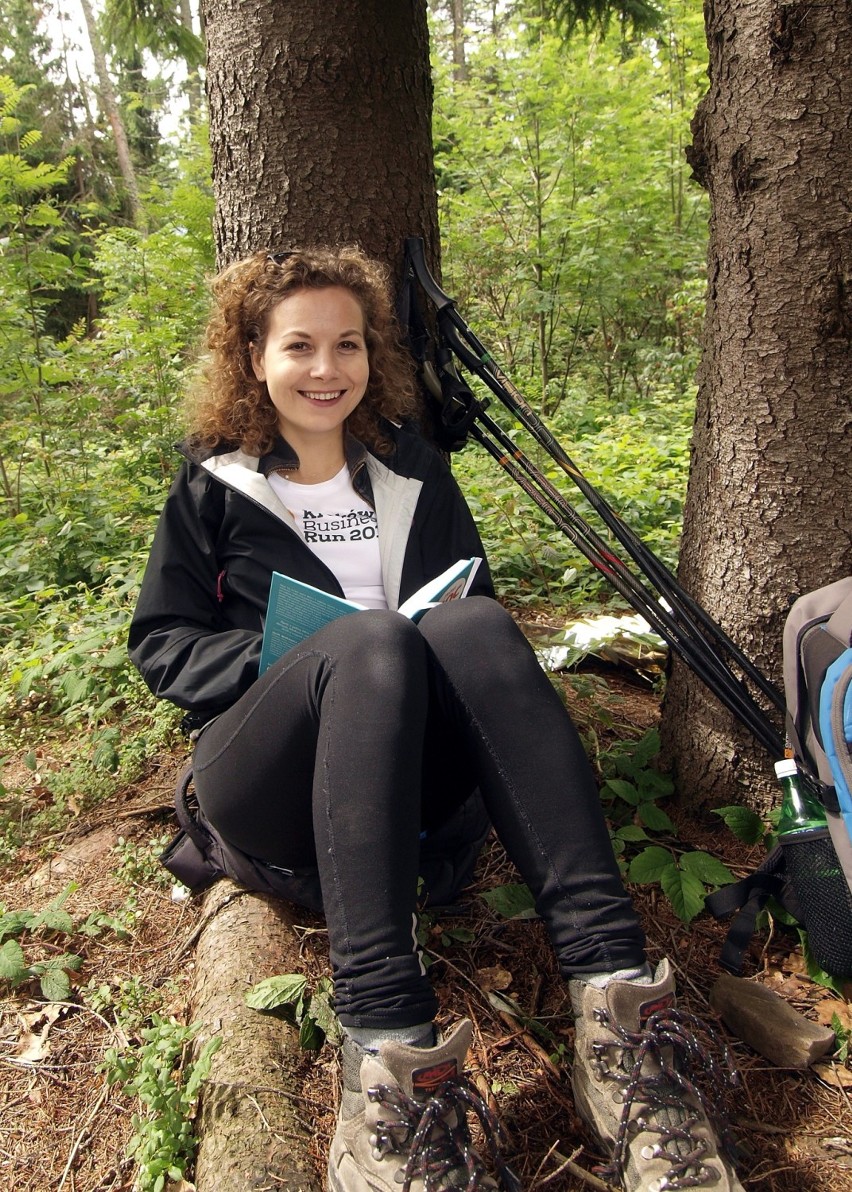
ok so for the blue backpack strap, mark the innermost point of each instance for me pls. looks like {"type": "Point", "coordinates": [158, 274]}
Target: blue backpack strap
{"type": "Point", "coordinates": [835, 724]}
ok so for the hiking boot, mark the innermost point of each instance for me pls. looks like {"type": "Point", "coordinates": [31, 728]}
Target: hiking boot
{"type": "Point", "coordinates": [636, 1063]}
{"type": "Point", "coordinates": [402, 1123]}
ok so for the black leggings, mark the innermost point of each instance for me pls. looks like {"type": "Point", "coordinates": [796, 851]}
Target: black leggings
{"type": "Point", "coordinates": [375, 729]}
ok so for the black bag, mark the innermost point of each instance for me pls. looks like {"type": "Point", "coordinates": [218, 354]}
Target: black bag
{"type": "Point", "coordinates": [198, 856]}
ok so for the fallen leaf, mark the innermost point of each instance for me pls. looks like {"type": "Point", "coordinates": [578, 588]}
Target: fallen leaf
{"type": "Point", "coordinates": [795, 963]}
{"type": "Point", "coordinates": [493, 978]}
{"type": "Point", "coordinates": [33, 1045]}
{"type": "Point", "coordinates": [792, 989]}
{"type": "Point", "coordinates": [836, 1075]}
{"type": "Point", "coordinates": [829, 1007]}
{"type": "Point", "coordinates": [32, 1048]}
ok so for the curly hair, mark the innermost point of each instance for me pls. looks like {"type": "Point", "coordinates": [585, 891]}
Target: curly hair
{"type": "Point", "coordinates": [231, 405]}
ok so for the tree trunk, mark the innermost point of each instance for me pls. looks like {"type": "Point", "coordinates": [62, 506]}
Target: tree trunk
{"type": "Point", "coordinates": [459, 58]}
{"type": "Point", "coordinates": [767, 511]}
{"type": "Point", "coordinates": [320, 129]}
{"type": "Point", "coordinates": [320, 124]}
{"type": "Point", "coordinates": [111, 110]}
{"type": "Point", "coordinates": [254, 1131]}
{"type": "Point", "coordinates": [193, 82]}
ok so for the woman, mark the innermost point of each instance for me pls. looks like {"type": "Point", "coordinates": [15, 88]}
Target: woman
{"type": "Point", "coordinates": [362, 744]}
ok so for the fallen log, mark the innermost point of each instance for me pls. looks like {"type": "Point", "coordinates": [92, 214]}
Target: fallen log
{"type": "Point", "coordinates": [253, 1127]}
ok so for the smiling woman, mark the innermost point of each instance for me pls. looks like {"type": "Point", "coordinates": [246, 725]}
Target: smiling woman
{"type": "Point", "coordinates": [232, 403]}
{"type": "Point", "coordinates": [376, 746]}
{"type": "Point", "coordinates": [315, 368]}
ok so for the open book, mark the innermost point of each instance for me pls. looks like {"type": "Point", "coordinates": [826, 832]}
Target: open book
{"type": "Point", "coordinates": [297, 610]}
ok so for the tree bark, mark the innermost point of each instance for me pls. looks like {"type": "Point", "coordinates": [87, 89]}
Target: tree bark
{"type": "Point", "coordinates": [254, 1132]}
{"type": "Point", "coordinates": [767, 514]}
{"type": "Point", "coordinates": [320, 124]}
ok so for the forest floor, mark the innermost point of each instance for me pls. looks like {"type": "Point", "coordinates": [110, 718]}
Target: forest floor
{"type": "Point", "coordinates": [63, 1126]}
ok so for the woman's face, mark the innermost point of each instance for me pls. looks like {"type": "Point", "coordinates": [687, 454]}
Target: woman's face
{"type": "Point", "coordinates": [314, 363]}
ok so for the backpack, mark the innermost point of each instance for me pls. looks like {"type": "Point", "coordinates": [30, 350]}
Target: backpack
{"type": "Point", "coordinates": [817, 681]}
{"type": "Point", "coordinates": [813, 880]}
{"type": "Point", "coordinates": [198, 856]}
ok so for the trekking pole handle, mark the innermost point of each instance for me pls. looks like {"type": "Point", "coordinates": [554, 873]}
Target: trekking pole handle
{"type": "Point", "coordinates": [415, 252]}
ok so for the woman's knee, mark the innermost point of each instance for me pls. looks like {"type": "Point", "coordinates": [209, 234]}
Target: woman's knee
{"type": "Point", "coordinates": [379, 647]}
{"type": "Point", "coordinates": [468, 623]}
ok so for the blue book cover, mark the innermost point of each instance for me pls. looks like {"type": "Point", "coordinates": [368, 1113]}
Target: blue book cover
{"type": "Point", "coordinates": [296, 610]}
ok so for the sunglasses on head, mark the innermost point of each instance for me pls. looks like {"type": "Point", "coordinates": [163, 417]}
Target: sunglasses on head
{"type": "Point", "coordinates": [277, 258]}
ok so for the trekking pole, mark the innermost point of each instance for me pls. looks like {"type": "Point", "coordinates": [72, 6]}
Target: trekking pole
{"type": "Point", "coordinates": [454, 395]}
{"type": "Point", "coordinates": [705, 664]}
{"type": "Point", "coordinates": [678, 626]}
{"type": "Point", "coordinates": [479, 361]}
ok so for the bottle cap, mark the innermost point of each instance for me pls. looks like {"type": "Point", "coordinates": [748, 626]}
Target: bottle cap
{"type": "Point", "coordinates": [786, 768]}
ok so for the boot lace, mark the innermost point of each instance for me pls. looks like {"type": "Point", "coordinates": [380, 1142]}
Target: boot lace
{"type": "Point", "coordinates": [670, 1102]}
{"type": "Point", "coordinates": [436, 1137]}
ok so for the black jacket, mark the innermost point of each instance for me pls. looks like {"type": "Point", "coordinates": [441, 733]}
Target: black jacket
{"type": "Point", "coordinates": [196, 632]}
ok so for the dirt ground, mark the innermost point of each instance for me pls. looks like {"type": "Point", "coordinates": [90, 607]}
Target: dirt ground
{"type": "Point", "coordinates": [62, 1126]}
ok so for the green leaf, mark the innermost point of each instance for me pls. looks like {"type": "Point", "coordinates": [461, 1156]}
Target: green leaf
{"type": "Point", "coordinates": [457, 935]}
{"type": "Point", "coordinates": [55, 984]}
{"type": "Point", "coordinates": [512, 901]}
{"type": "Point", "coordinates": [14, 922]}
{"type": "Point", "coordinates": [646, 748]}
{"type": "Point", "coordinates": [277, 991]}
{"type": "Point", "coordinates": [631, 832]}
{"type": "Point", "coordinates": [53, 918]}
{"type": "Point", "coordinates": [655, 818]}
{"type": "Point", "coordinates": [624, 790]}
{"type": "Point", "coordinates": [706, 868]}
{"type": "Point", "coordinates": [745, 824]}
{"type": "Point", "coordinates": [311, 1035]}
{"type": "Point", "coordinates": [815, 971]}
{"type": "Point", "coordinates": [653, 785]}
{"type": "Point", "coordinates": [684, 891]}
{"type": "Point", "coordinates": [13, 965]}
{"type": "Point", "coordinates": [649, 865]}
{"type": "Point", "coordinates": [321, 1010]}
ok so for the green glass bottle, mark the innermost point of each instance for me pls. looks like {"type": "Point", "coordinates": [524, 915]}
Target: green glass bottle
{"type": "Point", "coordinates": [801, 809]}
{"type": "Point", "coordinates": [814, 872]}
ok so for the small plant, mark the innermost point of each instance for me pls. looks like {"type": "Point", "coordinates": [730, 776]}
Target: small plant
{"type": "Point", "coordinates": [41, 928]}
{"type": "Point", "coordinates": [632, 787]}
{"type": "Point", "coordinates": [506, 1005]}
{"type": "Point", "coordinates": [843, 1035]}
{"type": "Point", "coordinates": [432, 933]}
{"type": "Point", "coordinates": [131, 1001]}
{"type": "Point", "coordinates": [167, 1085]}
{"type": "Point", "coordinates": [630, 792]}
{"type": "Point", "coordinates": [312, 1012]}
{"type": "Point", "coordinates": [139, 864]}
{"type": "Point", "coordinates": [685, 880]}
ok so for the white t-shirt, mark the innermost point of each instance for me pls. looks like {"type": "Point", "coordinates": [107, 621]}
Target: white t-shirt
{"type": "Point", "coordinates": [341, 529]}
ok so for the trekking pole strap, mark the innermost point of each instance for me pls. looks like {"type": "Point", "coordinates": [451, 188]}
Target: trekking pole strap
{"type": "Point", "coordinates": [746, 899]}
